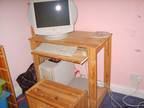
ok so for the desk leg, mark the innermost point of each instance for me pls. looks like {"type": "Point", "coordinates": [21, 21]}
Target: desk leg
{"type": "Point", "coordinates": [92, 77]}
{"type": "Point", "coordinates": [107, 62]}
{"type": "Point", "coordinates": [36, 60]}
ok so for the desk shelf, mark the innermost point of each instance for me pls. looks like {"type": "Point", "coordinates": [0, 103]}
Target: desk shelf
{"type": "Point", "coordinates": [79, 57]}
{"type": "Point", "coordinates": [92, 45]}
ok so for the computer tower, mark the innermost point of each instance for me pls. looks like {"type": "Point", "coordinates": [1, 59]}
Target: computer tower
{"type": "Point", "coordinates": [62, 72]}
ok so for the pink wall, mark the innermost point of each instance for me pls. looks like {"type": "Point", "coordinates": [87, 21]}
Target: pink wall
{"type": "Point", "coordinates": [14, 33]}
{"type": "Point", "coordinates": [125, 19]}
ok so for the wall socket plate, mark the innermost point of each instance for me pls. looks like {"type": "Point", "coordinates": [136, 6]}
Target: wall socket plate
{"type": "Point", "coordinates": [135, 79]}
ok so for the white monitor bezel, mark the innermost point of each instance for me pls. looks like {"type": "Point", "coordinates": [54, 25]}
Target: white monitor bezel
{"type": "Point", "coordinates": [55, 31]}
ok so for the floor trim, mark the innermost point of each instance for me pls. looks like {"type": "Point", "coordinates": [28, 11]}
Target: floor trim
{"type": "Point", "coordinates": [18, 91]}
{"type": "Point", "coordinates": [114, 87]}
{"type": "Point", "coordinates": [127, 91]}
{"type": "Point", "coordinates": [124, 90]}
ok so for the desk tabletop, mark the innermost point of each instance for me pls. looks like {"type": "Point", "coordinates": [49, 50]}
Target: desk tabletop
{"type": "Point", "coordinates": [77, 38]}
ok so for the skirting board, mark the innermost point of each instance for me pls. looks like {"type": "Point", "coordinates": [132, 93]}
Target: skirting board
{"type": "Point", "coordinates": [125, 90]}
{"type": "Point", "coordinates": [128, 91]}
{"type": "Point", "coordinates": [18, 91]}
{"type": "Point", "coordinates": [114, 87]}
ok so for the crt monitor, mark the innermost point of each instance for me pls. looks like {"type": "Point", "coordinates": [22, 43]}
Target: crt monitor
{"type": "Point", "coordinates": [52, 19]}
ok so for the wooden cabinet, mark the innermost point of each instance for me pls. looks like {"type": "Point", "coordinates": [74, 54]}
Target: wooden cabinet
{"type": "Point", "coordinates": [5, 74]}
{"type": "Point", "coordinates": [49, 94]}
{"type": "Point", "coordinates": [89, 44]}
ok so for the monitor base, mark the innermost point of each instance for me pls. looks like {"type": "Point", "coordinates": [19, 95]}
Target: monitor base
{"type": "Point", "coordinates": [56, 37]}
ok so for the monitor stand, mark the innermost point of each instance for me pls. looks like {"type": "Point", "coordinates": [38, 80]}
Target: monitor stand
{"type": "Point", "coordinates": [56, 37]}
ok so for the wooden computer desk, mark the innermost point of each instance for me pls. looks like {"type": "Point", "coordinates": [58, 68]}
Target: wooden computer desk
{"type": "Point", "coordinates": [91, 45]}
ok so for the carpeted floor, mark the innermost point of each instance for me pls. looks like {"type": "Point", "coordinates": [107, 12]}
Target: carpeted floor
{"type": "Point", "coordinates": [107, 103]}
{"type": "Point", "coordinates": [22, 102]}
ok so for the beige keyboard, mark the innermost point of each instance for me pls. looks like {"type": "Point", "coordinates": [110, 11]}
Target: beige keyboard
{"type": "Point", "coordinates": [56, 49]}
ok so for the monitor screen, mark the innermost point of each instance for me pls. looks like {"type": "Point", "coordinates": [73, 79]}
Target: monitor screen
{"type": "Point", "coordinates": [52, 13]}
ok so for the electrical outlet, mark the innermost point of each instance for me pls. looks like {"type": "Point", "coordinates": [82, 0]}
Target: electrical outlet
{"type": "Point", "coordinates": [135, 79]}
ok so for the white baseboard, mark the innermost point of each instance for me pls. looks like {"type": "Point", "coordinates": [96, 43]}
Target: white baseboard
{"type": "Point", "coordinates": [114, 87]}
{"type": "Point", "coordinates": [127, 91]}
{"type": "Point", "coordinates": [18, 91]}
{"type": "Point", "coordinates": [124, 90]}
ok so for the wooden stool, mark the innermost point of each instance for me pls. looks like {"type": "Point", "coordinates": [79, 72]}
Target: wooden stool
{"type": "Point", "coordinates": [49, 94]}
